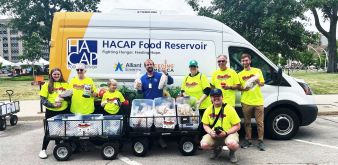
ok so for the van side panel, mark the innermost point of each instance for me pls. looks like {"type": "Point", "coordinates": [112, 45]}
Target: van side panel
{"type": "Point", "coordinates": [65, 26]}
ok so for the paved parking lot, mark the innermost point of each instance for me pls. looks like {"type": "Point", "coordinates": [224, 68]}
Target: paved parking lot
{"type": "Point", "coordinates": [314, 144]}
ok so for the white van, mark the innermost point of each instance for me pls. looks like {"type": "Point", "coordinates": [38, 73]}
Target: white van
{"type": "Point", "coordinates": [116, 45]}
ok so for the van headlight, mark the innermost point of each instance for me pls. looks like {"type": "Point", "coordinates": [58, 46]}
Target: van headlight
{"type": "Point", "coordinates": [306, 88]}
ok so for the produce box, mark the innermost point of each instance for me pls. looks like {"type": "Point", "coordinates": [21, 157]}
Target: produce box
{"type": "Point", "coordinates": [141, 114]}
{"type": "Point", "coordinates": [165, 113]}
{"type": "Point", "coordinates": [188, 117]}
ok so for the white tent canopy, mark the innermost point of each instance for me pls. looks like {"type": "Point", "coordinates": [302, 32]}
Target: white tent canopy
{"type": "Point", "coordinates": [41, 61]}
{"type": "Point", "coordinates": [5, 62]}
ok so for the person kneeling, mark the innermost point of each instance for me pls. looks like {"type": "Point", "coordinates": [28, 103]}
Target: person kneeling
{"type": "Point", "coordinates": [221, 123]}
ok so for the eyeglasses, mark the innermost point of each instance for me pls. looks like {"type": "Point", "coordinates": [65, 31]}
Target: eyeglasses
{"type": "Point", "coordinates": [79, 70]}
{"type": "Point", "coordinates": [220, 61]}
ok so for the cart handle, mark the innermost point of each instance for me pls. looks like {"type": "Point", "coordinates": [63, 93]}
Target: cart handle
{"type": "Point", "coordinates": [9, 92]}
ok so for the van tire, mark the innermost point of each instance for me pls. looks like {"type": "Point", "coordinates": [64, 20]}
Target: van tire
{"type": "Point", "coordinates": [282, 124]}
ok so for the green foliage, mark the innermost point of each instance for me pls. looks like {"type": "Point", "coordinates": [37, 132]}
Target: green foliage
{"type": "Point", "coordinates": [130, 94]}
{"type": "Point", "coordinates": [307, 58]}
{"type": "Point", "coordinates": [270, 25]}
{"type": "Point", "coordinates": [32, 47]}
{"type": "Point", "coordinates": [37, 15]}
{"type": "Point", "coordinates": [174, 91]}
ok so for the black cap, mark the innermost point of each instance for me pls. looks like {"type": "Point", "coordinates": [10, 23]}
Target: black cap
{"type": "Point", "coordinates": [216, 92]}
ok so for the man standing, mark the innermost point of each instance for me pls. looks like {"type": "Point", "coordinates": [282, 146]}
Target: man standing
{"type": "Point", "coordinates": [221, 123]}
{"type": "Point", "coordinates": [252, 100]}
{"type": "Point", "coordinates": [149, 85]}
{"type": "Point", "coordinates": [226, 79]}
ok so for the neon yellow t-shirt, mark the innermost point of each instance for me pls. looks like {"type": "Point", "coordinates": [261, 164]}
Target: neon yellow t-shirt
{"type": "Point", "coordinates": [57, 89]}
{"type": "Point", "coordinates": [230, 78]}
{"type": "Point", "coordinates": [253, 96]}
{"type": "Point", "coordinates": [230, 117]}
{"type": "Point", "coordinates": [194, 86]}
{"type": "Point", "coordinates": [111, 107]}
{"type": "Point", "coordinates": [80, 104]}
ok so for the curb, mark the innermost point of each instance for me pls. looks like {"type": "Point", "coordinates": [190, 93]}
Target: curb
{"type": "Point", "coordinates": [327, 113]}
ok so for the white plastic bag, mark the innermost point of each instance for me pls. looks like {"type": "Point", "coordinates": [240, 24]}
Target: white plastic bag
{"type": "Point", "coordinates": [163, 81]}
{"type": "Point", "coordinates": [137, 82]}
{"type": "Point", "coordinates": [250, 83]}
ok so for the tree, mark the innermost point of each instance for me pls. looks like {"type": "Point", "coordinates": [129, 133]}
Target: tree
{"type": "Point", "coordinates": [270, 25]}
{"type": "Point", "coordinates": [33, 46]}
{"type": "Point", "coordinates": [329, 8]}
{"type": "Point", "coordinates": [36, 16]}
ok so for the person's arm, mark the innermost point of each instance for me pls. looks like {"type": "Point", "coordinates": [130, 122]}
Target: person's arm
{"type": "Point", "coordinates": [46, 103]}
{"type": "Point", "coordinates": [209, 131]}
{"type": "Point", "coordinates": [170, 80]}
{"type": "Point", "coordinates": [232, 130]}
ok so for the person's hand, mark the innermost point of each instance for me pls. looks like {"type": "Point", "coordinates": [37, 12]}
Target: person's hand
{"type": "Point", "coordinates": [198, 104]}
{"type": "Point", "coordinates": [222, 134]}
{"type": "Point", "coordinates": [164, 70]}
{"type": "Point", "coordinates": [104, 103]}
{"type": "Point", "coordinates": [212, 133]}
{"type": "Point", "coordinates": [57, 104]}
{"type": "Point", "coordinates": [139, 86]}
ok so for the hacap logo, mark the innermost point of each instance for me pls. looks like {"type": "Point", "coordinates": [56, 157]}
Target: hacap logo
{"type": "Point", "coordinates": [169, 67]}
{"type": "Point", "coordinates": [82, 51]}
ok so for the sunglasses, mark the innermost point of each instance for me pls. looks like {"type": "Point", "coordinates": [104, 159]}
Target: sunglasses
{"type": "Point", "coordinates": [220, 61]}
{"type": "Point", "coordinates": [79, 70]}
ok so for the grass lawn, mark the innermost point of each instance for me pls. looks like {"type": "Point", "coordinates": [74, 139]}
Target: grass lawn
{"type": "Point", "coordinates": [320, 82]}
{"type": "Point", "coordinates": [23, 90]}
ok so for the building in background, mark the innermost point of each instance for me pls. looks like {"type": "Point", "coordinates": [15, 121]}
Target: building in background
{"type": "Point", "coordinates": [11, 47]}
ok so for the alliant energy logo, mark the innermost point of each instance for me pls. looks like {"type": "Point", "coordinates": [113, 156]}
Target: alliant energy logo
{"type": "Point", "coordinates": [128, 67]}
{"type": "Point", "coordinates": [82, 51]}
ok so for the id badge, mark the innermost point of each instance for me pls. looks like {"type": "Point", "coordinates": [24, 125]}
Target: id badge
{"type": "Point", "coordinates": [150, 86]}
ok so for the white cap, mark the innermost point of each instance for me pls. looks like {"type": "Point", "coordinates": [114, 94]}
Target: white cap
{"type": "Point", "coordinates": [80, 66]}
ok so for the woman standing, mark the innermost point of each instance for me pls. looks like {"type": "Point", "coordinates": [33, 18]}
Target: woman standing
{"type": "Point", "coordinates": [50, 98]}
{"type": "Point", "coordinates": [84, 91]}
{"type": "Point", "coordinates": [197, 85]}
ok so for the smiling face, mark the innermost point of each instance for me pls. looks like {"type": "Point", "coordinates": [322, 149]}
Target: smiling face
{"type": "Point", "coordinates": [246, 61]}
{"type": "Point", "coordinates": [56, 75]}
{"type": "Point", "coordinates": [149, 65]}
{"type": "Point", "coordinates": [193, 70]}
{"type": "Point", "coordinates": [81, 73]}
{"type": "Point", "coordinates": [112, 86]}
{"type": "Point", "coordinates": [217, 100]}
{"type": "Point", "coordinates": [222, 62]}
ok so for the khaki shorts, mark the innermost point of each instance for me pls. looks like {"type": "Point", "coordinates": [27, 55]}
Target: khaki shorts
{"type": "Point", "coordinates": [219, 141]}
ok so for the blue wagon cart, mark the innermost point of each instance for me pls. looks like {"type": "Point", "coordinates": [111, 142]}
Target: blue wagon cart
{"type": "Point", "coordinates": [8, 110]}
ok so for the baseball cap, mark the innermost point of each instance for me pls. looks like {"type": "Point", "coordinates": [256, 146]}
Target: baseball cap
{"type": "Point", "coordinates": [216, 92]}
{"type": "Point", "coordinates": [193, 63]}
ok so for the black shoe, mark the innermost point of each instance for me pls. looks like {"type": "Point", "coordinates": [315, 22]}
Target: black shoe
{"type": "Point", "coordinates": [246, 144]}
{"type": "Point", "coordinates": [261, 145]}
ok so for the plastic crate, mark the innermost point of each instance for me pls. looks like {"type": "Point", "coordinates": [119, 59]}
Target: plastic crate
{"type": "Point", "coordinates": [112, 125]}
{"type": "Point", "coordinates": [188, 117]}
{"type": "Point", "coordinates": [165, 113]}
{"type": "Point", "coordinates": [141, 114]}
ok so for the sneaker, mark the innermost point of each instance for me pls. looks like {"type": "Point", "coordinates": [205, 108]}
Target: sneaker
{"type": "Point", "coordinates": [43, 154]}
{"type": "Point", "coordinates": [225, 148]}
{"type": "Point", "coordinates": [162, 143]}
{"type": "Point", "coordinates": [233, 157]}
{"type": "Point", "coordinates": [246, 144]}
{"type": "Point", "coordinates": [261, 146]}
{"type": "Point", "coordinates": [215, 152]}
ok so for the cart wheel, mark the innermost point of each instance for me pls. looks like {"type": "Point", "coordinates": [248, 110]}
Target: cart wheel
{"type": "Point", "coordinates": [2, 124]}
{"type": "Point", "coordinates": [109, 151]}
{"type": "Point", "coordinates": [140, 147]}
{"type": "Point", "coordinates": [62, 151]}
{"type": "Point", "coordinates": [187, 146]}
{"type": "Point", "coordinates": [13, 119]}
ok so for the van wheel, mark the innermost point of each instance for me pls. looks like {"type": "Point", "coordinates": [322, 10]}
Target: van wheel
{"type": "Point", "coordinates": [282, 124]}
